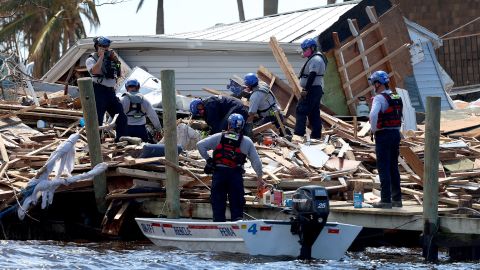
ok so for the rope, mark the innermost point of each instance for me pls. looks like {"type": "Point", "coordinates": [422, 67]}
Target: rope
{"type": "Point", "coordinates": [456, 29]}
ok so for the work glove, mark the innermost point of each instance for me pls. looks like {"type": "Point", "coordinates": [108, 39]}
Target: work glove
{"type": "Point", "coordinates": [210, 167]}
{"type": "Point", "coordinates": [248, 130]}
{"type": "Point", "coordinates": [158, 135]}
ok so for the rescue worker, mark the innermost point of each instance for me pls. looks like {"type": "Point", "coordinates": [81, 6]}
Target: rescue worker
{"type": "Point", "coordinates": [136, 107]}
{"type": "Point", "coordinates": [262, 101]}
{"type": "Point", "coordinates": [311, 80]}
{"type": "Point", "coordinates": [385, 120]}
{"type": "Point", "coordinates": [230, 150]}
{"type": "Point", "coordinates": [215, 110]}
{"type": "Point", "coordinates": [104, 67]}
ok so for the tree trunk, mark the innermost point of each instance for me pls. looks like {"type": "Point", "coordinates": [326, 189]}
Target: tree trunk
{"type": "Point", "coordinates": [241, 12]}
{"type": "Point", "coordinates": [160, 19]}
{"type": "Point", "coordinates": [270, 7]}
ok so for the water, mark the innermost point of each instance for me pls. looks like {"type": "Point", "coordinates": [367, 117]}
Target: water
{"type": "Point", "coordinates": [143, 255]}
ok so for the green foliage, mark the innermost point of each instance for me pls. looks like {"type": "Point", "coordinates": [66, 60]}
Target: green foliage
{"type": "Point", "coordinates": [47, 28]}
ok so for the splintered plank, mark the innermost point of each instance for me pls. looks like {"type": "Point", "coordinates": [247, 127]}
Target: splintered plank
{"type": "Point", "coordinates": [286, 67]}
{"type": "Point", "coordinates": [14, 113]}
{"type": "Point", "coordinates": [412, 160]}
{"type": "Point", "coordinates": [279, 159]}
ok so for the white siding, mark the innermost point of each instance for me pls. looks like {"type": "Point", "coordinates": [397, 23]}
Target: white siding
{"type": "Point", "coordinates": [200, 68]}
{"type": "Point", "coordinates": [428, 77]}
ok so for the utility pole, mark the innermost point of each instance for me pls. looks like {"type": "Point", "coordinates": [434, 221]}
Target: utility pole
{"type": "Point", "coordinates": [430, 179]}
{"type": "Point", "coordinates": [171, 152]}
{"type": "Point", "coordinates": [87, 97]}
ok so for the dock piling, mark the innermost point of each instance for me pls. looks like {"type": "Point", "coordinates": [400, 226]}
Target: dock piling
{"type": "Point", "coordinates": [87, 97]}
{"type": "Point", "coordinates": [170, 134]}
{"type": "Point", "coordinates": [430, 178]}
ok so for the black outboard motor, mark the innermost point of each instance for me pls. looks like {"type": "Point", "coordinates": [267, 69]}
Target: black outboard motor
{"type": "Point", "coordinates": [311, 209]}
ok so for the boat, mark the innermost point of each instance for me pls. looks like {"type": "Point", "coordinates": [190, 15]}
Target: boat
{"type": "Point", "coordinates": [193, 234]}
{"type": "Point", "coordinates": [306, 235]}
{"type": "Point", "coordinates": [254, 237]}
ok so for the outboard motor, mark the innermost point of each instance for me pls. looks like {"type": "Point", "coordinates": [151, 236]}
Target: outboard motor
{"type": "Point", "coordinates": [310, 209]}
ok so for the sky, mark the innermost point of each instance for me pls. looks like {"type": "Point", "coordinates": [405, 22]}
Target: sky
{"type": "Point", "coordinates": [121, 19]}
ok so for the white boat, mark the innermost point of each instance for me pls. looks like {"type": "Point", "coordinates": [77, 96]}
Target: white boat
{"type": "Point", "coordinates": [254, 237]}
{"type": "Point", "coordinates": [262, 237]}
{"type": "Point", "coordinates": [193, 235]}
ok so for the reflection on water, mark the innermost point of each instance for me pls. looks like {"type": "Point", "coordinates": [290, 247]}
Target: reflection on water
{"type": "Point", "coordinates": [143, 255]}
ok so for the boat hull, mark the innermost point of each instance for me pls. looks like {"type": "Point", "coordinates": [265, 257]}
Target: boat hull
{"type": "Point", "coordinates": [273, 238]}
{"type": "Point", "coordinates": [254, 237]}
{"type": "Point", "coordinates": [193, 235]}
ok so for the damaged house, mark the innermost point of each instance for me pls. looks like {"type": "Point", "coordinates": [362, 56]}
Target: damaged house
{"type": "Point", "coordinates": [358, 37]}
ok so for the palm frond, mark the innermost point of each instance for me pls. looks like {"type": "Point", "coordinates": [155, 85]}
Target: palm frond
{"type": "Point", "coordinates": [15, 26]}
{"type": "Point", "coordinates": [36, 49]}
{"type": "Point", "coordinates": [140, 4]}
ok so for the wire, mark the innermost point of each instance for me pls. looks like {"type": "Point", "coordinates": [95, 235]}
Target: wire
{"type": "Point", "coordinates": [458, 28]}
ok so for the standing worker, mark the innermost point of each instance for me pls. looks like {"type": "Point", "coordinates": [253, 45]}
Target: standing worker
{"type": "Point", "coordinates": [215, 110]}
{"type": "Point", "coordinates": [104, 67]}
{"type": "Point", "coordinates": [262, 101]}
{"type": "Point", "coordinates": [136, 107]}
{"type": "Point", "coordinates": [230, 150]}
{"type": "Point", "coordinates": [385, 121]}
{"type": "Point", "coordinates": [311, 80]}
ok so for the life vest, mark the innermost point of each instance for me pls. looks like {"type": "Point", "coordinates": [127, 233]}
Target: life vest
{"type": "Point", "coordinates": [135, 109]}
{"type": "Point", "coordinates": [110, 68]}
{"type": "Point", "coordinates": [392, 117]}
{"type": "Point", "coordinates": [302, 75]}
{"type": "Point", "coordinates": [228, 151]}
{"type": "Point", "coordinates": [263, 87]}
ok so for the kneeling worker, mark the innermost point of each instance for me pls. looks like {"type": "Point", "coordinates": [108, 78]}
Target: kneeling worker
{"type": "Point", "coordinates": [136, 107]}
{"type": "Point", "coordinates": [215, 110]}
{"type": "Point", "coordinates": [230, 150]}
{"type": "Point", "coordinates": [262, 101]}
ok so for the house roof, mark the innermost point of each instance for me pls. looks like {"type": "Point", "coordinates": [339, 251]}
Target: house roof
{"type": "Point", "coordinates": [290, 27]}
{"type": "Point", "coordinates": [155, 42]}
{"type": "Point", "coordinates": [424, 32]}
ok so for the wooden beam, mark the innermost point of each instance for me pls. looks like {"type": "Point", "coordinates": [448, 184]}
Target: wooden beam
{"type": "Point", "coordinates": [360, 36]}
{"type": "Point", "coordinates": [412, 160]}
{"type": "Point", "coordinates": [358, 57]}
{"type": "Point", "coordinates": [376, 65]}
{"type": "Point", "coordinates": [87, 98]}
{"type": "Point", "coordinates": [171, 151]}
{"type": "Point", "coordinates": [263, 127]}
{"type": "Point", "coordinates": [286, 67]}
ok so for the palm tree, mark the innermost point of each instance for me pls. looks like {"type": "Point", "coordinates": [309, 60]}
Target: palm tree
{"type": "Point", "coordinates": [241, 12]}
{"type": "Point", "coordinates": [47, 28]}
{"type": "Point", "coordinates": [270, 7]}
{"type": "Point", "coordinates": [160, 27]}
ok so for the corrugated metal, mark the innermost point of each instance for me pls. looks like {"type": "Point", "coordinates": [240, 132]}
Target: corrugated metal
{"type": "Point", "coordinates": [197, 69]}
{"type": "Point", "coordinates": [428, 77]}
{"type": "Point", "coordinates": [286, 27]}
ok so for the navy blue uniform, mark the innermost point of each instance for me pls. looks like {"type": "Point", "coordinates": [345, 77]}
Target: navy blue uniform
{"type": "Point", "coordinates": [106, 99]}
{"type": "Point", "coordinates": [217, 110]}
{"type": "Point", "coordinates": [311, 79]}
{"type": "Point", "coordinates": [227, 180]}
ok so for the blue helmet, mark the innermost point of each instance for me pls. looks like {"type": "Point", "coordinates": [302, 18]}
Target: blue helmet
{"type": "Point", "coordinates": [307, 43]}
{"type": "Point", "coordinates": [236, 121]}
{"type": "Point", "coordinates": [132, 82]}
{"type": "Point", "coordinates": [193, 106]}
{"type": "Point", "coordinates": [101, 41]}
{"type": "Point", "coordinates": [250, 79]}
{"type": "Point", "coordinates": [379, 76]}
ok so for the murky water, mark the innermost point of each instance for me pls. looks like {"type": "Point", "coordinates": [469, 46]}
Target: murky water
{"type": "Point", "coordinates": [143, 255]}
